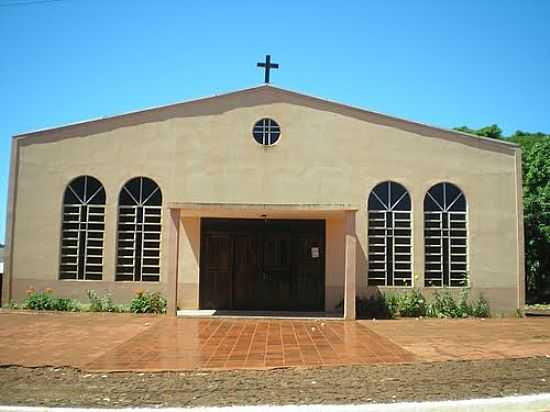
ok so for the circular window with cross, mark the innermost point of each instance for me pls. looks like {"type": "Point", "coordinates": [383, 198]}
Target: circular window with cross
{"type": "Point", "coordinates": [266, 132]}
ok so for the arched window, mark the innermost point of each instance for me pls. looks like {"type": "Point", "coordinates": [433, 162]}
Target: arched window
{"type": "Point", "coordinates": [446, 235]}
{"type": "Point", "coordinates": [389, 235]}
{"type": "Point", "coordinates": [82, 230]}
{"type": "Point", "coordinates": [139, 231]}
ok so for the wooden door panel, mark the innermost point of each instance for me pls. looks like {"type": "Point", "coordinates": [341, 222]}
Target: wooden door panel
{"type": "Point", "coordinates": [245, 271]}
{"type": "Point", "coordinates": [277, 270]}
{"type": "Point", "coordinates": [308, 279]}
{"type": "Point", "coordinates": [216, 273]}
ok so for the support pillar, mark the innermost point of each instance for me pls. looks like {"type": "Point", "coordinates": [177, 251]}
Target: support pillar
{"type": "Point", "coordinates": [173, 228]}
{"type": "Point", "coordinates": [350, 273]}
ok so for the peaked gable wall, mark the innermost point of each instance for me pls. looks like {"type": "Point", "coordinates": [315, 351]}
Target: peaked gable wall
{"type": "Point", "coordinates": [203, 151]}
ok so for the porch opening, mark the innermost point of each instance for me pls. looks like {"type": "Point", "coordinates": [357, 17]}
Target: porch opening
{"type": "Point", "coordinates": [262, 264]}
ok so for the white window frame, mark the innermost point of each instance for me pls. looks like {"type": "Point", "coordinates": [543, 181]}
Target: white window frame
{"type": "Point", "coordinates": [81, 216]}
{"type": "Point", "coordinates": [139, 220]}
{"type": "Point", "coordinates": [384, 220]}
{"type": "Point", "coordinates": [441, 229]}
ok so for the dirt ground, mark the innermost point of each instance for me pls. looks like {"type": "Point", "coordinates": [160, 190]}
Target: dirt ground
{"type": "Point", "coordinates": [333, 385]}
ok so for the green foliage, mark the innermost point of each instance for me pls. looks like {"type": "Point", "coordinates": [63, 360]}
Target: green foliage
{"type": "Point", "coordinates": [378, 306]}
{"type": "Point", "coordinates": [492, 131]}
{"type": "Point", "coordinates": [465, 308]}
{"type": "Point", "coordinates": [375, 306]}
{"type": "Point", "coordinates": [147, 302]}
{"type": "Point", "coordinates": [445, 306]}
{"type": "Point", "coordinates": [102, 303]}
{"type": "Point", "coordinates": [412, 304]}
{"type": "Point", "coordinates": [46, 300]}
{"type": "Point", "coordinates": [481, 308]}
{"type": "Point", "coordinates": [536, 205]}
{"type": "Point", "coordinates": [392, 303]}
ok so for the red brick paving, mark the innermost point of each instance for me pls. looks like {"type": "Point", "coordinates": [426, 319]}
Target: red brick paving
{"type": "Point", "coordinates": [146, 342]}
{"type": "Point", "coordinates": [468, 339]}
{"type": "Point", "coordinates": [174, 344]}
{"type": "Point", "coordinates": [64, 339]}
{"type": "Point", "coordinates": [136, 342]}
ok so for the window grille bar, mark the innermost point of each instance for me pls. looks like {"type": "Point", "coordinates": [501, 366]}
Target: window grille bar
{"type": "Point", "coordinates": [82, 231]}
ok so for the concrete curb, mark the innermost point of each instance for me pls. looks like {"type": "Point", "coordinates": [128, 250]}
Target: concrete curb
{"type": "Point", "coordinates": [538, 403]}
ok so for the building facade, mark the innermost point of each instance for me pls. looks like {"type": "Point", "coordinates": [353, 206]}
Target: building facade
{"type": "Point", "coordinates": [263, 199]}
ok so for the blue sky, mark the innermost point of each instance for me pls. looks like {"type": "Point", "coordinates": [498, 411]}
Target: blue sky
{"type": "Point", "coordinates": [446, 63]}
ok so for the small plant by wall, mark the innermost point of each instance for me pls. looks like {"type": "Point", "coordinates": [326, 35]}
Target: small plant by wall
{"type": "Point", "coordinates": [147, 302]}
{"type": "Point", "coordinates": [143, 302]}
{"type": "Point", "coordinates": [102, 303]}
{"type": "Point", "coordinates": [46, 300]}
{"type": "Point", "coordinates": [414, 304]}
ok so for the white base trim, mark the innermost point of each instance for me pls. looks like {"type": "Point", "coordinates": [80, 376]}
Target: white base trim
{"type": "Point", "coordinates": [507, 404]}
{"type": "Point", "coordinates": [243, 314]}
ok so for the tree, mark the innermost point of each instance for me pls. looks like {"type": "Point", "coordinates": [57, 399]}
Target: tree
{"type": "Point", "coordinates": [492, 131]}
{"type": "Point", "coordinates": [536, 206]}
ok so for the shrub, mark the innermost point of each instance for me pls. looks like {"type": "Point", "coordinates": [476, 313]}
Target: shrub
{"type": "Point", "coordinates": [443, 306]}
{"type": "Point", "coordinates": [412, 304]}
{"type": "Point", "coordinates": [102, 304]}
{"type": "Point", "coordinates": [45, 300]}
{"type": "Point", "coordinates": [41, 300]}
{"type": "Point", "coordinates": [147, 302]}
{"type": "Point", "coordinates": [465, 308]}
{"type": "Point", "coordinates": [481, 308]}
{"type": "Point", "coordinates": [66, 305]}
{"type": "Point", "coordinates": [375, 306]}
{"type": "Point", "coordinates": [393, 302]}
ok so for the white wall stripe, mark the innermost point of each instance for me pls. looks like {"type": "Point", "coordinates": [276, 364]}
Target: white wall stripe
{"type": "Point", "coordinates": [539, 403]}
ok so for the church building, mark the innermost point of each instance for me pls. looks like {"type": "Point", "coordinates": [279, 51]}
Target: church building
{"type": "Point", "coordinates": [263, 199]}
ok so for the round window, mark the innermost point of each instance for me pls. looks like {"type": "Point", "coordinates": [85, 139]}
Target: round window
{"type": "Point", "coordinates": [266, 132]}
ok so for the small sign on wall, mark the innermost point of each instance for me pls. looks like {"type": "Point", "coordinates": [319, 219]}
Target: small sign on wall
{"type": "Point", "coordinates": [315, 252]}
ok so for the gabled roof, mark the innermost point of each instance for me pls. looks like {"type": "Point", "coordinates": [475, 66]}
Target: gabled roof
{"type": "Point", "coordinates": [395, 120]}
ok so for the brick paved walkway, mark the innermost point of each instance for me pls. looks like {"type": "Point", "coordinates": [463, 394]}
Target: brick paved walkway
{"type": "Point", "coordinates": [468, 339]}
{"type": "Point", "coordinates": [216, 343]}
{"type": "Point", "coordinates": [134, 342]}
{"type": "Point", "coordinates": [145, 342]}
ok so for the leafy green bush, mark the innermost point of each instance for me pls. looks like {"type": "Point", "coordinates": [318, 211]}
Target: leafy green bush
{"type": "Point", "coordinates": [102, 304]}
{"type": "Point", "coordinates": [393, 302]}
{"type": "Point", "coordinates": [147, 302]}
{"type": "Point", "coordinates": [412, 304]}
{"type": "Point", "coordinates": [465, 308]}
{"type": "Point", "coordinates": [481, 308]}
{"type": "Point", "coordinates": [41, 300]}
{"type": "Point", "coordinates": [46, 300]}
{"type": "Point", "coordinates": [375, 306]}
{"type": "Point", "coordinates": [443, 305]}
{"type": "Point", "coordinates": [66, 305]}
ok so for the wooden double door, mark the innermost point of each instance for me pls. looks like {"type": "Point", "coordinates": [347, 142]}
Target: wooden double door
{"type": "Point", "coordinates": [254, 264]}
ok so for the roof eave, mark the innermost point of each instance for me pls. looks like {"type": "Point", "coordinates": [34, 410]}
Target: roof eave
{"type": "Point", "coordinates": [488, 140]}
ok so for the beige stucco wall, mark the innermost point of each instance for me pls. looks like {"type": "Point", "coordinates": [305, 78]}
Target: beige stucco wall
{"type": "Point", "coordinates": [203, 152]}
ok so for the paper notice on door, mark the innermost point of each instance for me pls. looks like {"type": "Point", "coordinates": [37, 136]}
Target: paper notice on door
{"type": "Point", "coordinates": [315, 252]}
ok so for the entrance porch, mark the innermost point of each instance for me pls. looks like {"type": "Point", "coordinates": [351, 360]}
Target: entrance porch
{"type": "Point", "coordinates": [266, 258]}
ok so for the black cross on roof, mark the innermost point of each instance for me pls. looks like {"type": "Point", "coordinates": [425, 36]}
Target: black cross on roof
{"type": "Point", "coordinates": [268, 66]}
